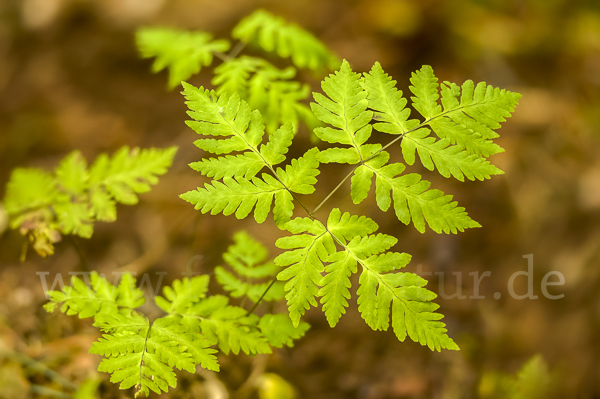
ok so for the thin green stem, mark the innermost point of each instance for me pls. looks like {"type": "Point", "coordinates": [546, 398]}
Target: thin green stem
{"type": "Point", "coordinates": [261, 297]}
{"type": "Point", "coordinates": [232, 54]}
{"type": "Point", "coordinates": [236, 49]}
{"type": "Point", "coordinates": [332, 192]}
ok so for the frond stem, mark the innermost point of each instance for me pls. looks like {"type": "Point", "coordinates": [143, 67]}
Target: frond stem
{"type": "Point", "coordinates": [261, 297]}
{"type": "Point", "coordinates": [332, 192]}
{"type": "Point", "coordinates": [144, 352]}
{"type": "Point", "coordinates": [236, 50]}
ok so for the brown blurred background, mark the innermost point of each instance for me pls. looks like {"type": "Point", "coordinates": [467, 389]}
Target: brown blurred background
{"type": "Point", "coordinates": [71, 78]}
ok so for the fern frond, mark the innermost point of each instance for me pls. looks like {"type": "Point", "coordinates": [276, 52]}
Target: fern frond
{"type": "Point", "coordinates": [229, 116]}
{"type": "Point", "coordinates": [336, 285]}
{"type": "Point", "coordinates": [44, 205]}
{"type": "Point", "coordinates": [184, 53]}
{"type": "Point", "coordinates": [226, 116]}
{"type": "Point", "coordinates": [267, 89]}
{"type": "Point", "coordinates": [345, 226]}
{"type": "Point", "coordinates": [279, 141]}
{"type": "Point", "coordinates": [142, 355]}
{"type": "Point", "coordinates": [233, 331]}
{"type": "Point", "coordinates": [195, 349]}
{"type": "Point", "coordinates": [381, 288]}
{"type": "Point", "coordinates": [129, 172]}
{"type": "Point", "coordinates": [274, 34]}
{"type": "Point", "coordinates": [449, 160]}
{"type": "Point", "coordinates": [240, 197]}
{"type": "Point", "coordinates": [220, 323]}
{"type": "Point", "coordinates": [247, 257]}
{"type": "Point", "coordinates": [387, 103]}
{"type": "Point", "coordinates": [72, 173]}
{"type": "Point", "coordinates": [300, 175]}
{"type": "Point", "coordinates": [97, 296]}
{"type": "Point", "coordinates": [28, 189]}
{"type": "Point", "coordinates": [232, 76]}
{"type": "Point", "coordinates": [412, 312]}
{"type": "Point", "coordinates": [342, 264]}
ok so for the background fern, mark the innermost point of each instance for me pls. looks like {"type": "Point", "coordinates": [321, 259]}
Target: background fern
{"type": "Point", "coordinates": [142, 354]}
{"type": "Point", "coordinates": [44, 205]}
{"type": "Point", "coordinates": [247, 260]}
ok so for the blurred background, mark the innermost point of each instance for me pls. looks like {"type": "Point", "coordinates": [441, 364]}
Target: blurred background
{"type": "Point", "coordinates": [71, 78]}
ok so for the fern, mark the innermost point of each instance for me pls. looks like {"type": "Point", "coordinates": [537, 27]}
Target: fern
{"type": "Point", "coordinates": [143, 354]}
{"type": "Point", "coordinates": [533, 381]}
{"type": "Point", "coordinates": [320, 258]}
{"type": "Point", "coordinates": [45, 205]}
{"type": "Point", "coordinates": [247, 259]}
{"type": "Point", "coordinates": [274, 34]}
{"type": "Point", "coordinates": [267, 89]}
{"type": "Point", "coordinates": [183, 53]}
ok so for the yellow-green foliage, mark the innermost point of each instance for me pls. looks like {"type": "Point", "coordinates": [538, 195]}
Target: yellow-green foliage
{"type": "Point", "coordinates": [44, 205]}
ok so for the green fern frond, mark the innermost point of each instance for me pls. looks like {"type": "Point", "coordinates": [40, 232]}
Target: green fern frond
{"type": "Point", "coordinates": [94, 296]}
{"type": "Point", "coordinates": [234, 331]}
{"type": "Point", "coordinates": [45, 205]}
{"type": "Point", "coordinates": [129, 172]}
{"type": "Point", "coordinates": [229, 327]}
{"type": "Point", "coordinates": [300, 175]}
{"type": "Point", "coordinates": [412, 312]}
{"type": "Point", "coordinates": [274, 34]}
{"type": "Point", "coordinates": [353, 101]}
{"type": "Point", "coordinates": [267, 89]}
{"type": "Point", "coordinates": [143, 355]}
{"type": "Point", "coordinates": [230, 117]}
{"type": "Point", "coordinates": [380, 289]}
{"type": "Point", "coordinates": [240, 197]}
{"type": "Point", "coordinates": [183, 53]}
{"type": "Point", "coordinates": [389, 107]}
{"type": "Point", "coordinates": [247, 257]}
